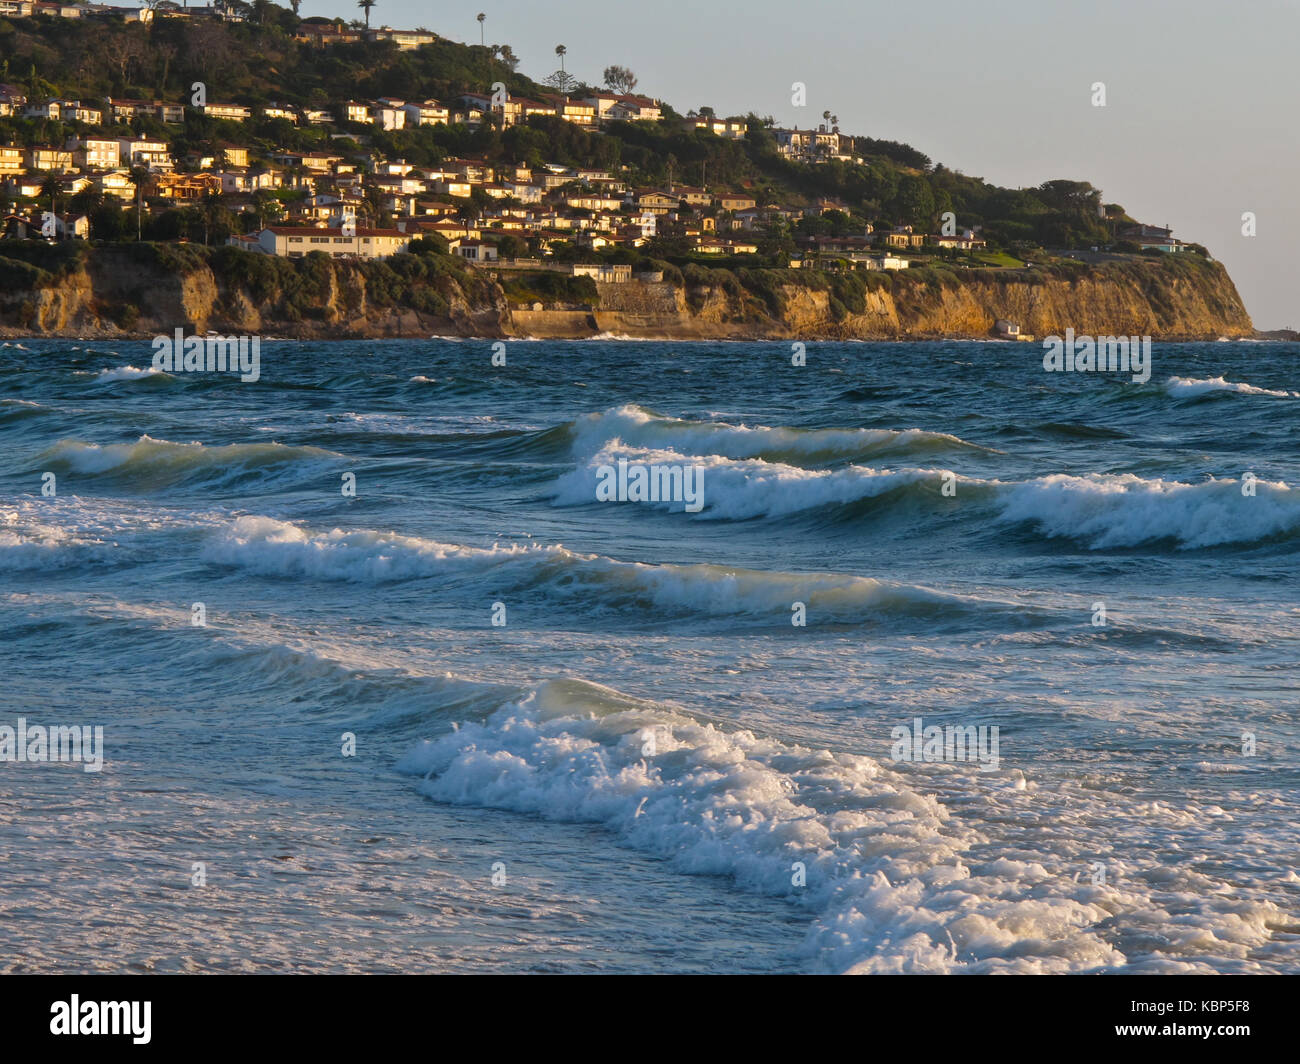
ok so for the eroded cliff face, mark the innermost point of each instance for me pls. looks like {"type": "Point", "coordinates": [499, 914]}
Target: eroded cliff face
{"type": "Point", "coordinates": [111, 294]}
{"type": "Point", "coordinates": [1204, 305]}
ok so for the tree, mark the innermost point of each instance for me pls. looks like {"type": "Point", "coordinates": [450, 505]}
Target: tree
{"type": "Point", "coordinates": [561, 51]}
{"type": "Point", "coordinates": [619, 79]}
{"type": "Point", "coordinates": [366, 5]}
{"type": "Point", "coordinates": [482, 18]}
{"type": "Point", "coordinates": [915, 201]}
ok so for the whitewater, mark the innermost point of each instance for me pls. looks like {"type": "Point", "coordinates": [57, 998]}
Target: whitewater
{"type": "Point", "coordinates": [366, 648]}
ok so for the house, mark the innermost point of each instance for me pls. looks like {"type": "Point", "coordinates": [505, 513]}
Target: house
{"type": "Point", "coordinates": [602, 102]}
{"type": "Point", "coordinates": [966, 240]}
{"type": "Point", "coordinates": [230, 112]}
{"type": "Point", "coordinates": [406, 40]}
{"type": "Point", "coordinates": [509, 112]}
{"type": "Point", "coordinates": [576, 111]}
{"type": "Point", "coordinates": [234, 156]}
{"type": "Point", "coordinates": [50, 109]}
{"type": "Point", "coordinates": [444, 228]}
{"type": "Point", "coordinates": [606, 273]}
{"type": "Point", "coordinates": [144, 151]}
{"type": "Point", "coordinates": [388, 114]}
{"type": "Point", "coordinates": [428, 113]}
{"type": "Point", "coordinates": [731, 128]}
{"type": "Point", "coordinates": [655, 202]}
{"type": "Point", "coordinates": [48, 160]}
{"type": "Point", "coordinates": [289, 114]}
{"type": "Point", "coordinates": [528, 108]}
{"type": "Point", "coordinates": [95, 153]}
{"type": "Point", "coordinates": [316, 162]}
{"type": "Point", "coordinates": [636, 109]}
{"type": "Point", "coordinates": [116, 183]}
{"type": "Point", "coordinates": [16, 9]}
{"type": "Point", "coordinates": [187, 187]}
{"type": "Point", "coordinates": [320, 32]}
{"type": "Point", "coordinates": [474, 250]}
{"type": "Point", "coordinates": [28, 187]}
{"type": "Point", "coordinates": [11, 161]}
{"type": "Point", "coordinates": [714, 246]}
{"type": "Point", "coordinates": [11, 100]}
{"type": "Point", "coordinates": [357, 112]}
{"type": "Point", "coordinates": [71, 227]}
{"type": "Point", "coordinates": [735, 201]}
{"type": "Point", "coordinates": [902, 236]}
{"type": "Point", "coordinates": [296, 241]}
{"type": "Point", "coordinates": [1153, 238]}
{"type": "Point", "coordinates": [445, 186]}
{"type": "Point", "coordinates": [593, 202]}
{"type": "Point", "coordinates": [474, 171]}
{"type": "Point", "coordinates": [56, 10]}
{"type": "Point", "coordinates": [16, 227]}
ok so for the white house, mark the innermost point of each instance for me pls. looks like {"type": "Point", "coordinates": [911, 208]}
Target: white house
{"type": "Point", "coordinates": [294, 242]}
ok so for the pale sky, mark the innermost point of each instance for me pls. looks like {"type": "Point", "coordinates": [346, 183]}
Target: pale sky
{"type": "Point", "coordinates": [1199, 126]}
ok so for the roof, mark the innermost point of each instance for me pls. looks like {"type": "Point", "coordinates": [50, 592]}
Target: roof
{"type": "Point", "coordinates": [308, 230]}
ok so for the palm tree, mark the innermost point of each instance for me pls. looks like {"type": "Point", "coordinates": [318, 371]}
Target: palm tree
{"type": "Point", "coordinates": [826, 116]}
{"type": "Point", "coordinates": [561, 51]}
{"type": "Point", "coordinates": [482, 18]}
{"type": "Point", "coordinates": [366, 5]}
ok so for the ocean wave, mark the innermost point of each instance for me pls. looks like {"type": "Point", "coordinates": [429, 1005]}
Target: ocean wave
{"type": "Point", "coordinates": [637, 427]}
{"type": "Point", "coordinates": [129, 373]}
{"type": "Point", "coordinates": [280, 548]}
{"type": "Point", "coordinates": [893, 880]}
{"type": "Point", "coordinates": [150, 462]}
{"type": "Point", "coordinates": [1129, 511]}
{"type": "Point", "coordinates": [1099, 510]}
{"type": "Point", "coordinates": [745, 489]}
{"type": "Point", "coordinates": [68, 532]}
{"type": "Point", "coordinates": [1187, 387]}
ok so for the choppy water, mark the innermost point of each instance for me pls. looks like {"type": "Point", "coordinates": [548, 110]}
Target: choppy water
{"type": "Point", "coordinates": [648, 746]}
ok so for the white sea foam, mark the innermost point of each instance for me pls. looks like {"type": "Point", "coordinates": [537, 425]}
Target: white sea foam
{"type": "Point", "coordinates": [128, 373]}
{"type": "Point", "coordinates": [1099, 510]}
{"type": "Point", "coordinates": [1127, 511]}
{"type": "Point", "coordinates": [894, 881]}
{"type": "Point", "coordinates": [1184, 387]}
{"type": "Point", "coordinates": [280, 548]}
{"type": "Point", "coordinates": [637, 427]}
{"type": "Point", "coordinates": [749, 488]}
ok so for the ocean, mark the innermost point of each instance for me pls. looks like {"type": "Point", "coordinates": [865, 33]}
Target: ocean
{"type": "Point", "coordinates": [950, 664]}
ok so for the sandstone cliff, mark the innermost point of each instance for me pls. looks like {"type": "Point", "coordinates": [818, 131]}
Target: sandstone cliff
{"type": "Point", "coordinates": [121, 292]}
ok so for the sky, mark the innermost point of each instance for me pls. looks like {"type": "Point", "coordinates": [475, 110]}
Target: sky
{"type": "Point", "coordinates": [1199, 124]}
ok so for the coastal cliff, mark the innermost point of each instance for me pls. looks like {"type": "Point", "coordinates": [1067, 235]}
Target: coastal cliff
{"type": "Point", "coordinates": [132, 291]}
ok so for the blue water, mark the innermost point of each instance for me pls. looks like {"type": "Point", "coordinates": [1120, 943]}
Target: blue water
{"type": "Point", "coordinates": [646, 766]}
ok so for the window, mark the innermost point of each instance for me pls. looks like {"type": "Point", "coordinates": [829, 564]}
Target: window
{"type": "Point", "coordinates": [295, 240]}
